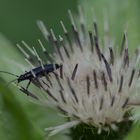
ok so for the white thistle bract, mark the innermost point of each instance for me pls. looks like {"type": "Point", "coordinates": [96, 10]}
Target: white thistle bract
{"type": "Point", "coordinates": [96, 85]}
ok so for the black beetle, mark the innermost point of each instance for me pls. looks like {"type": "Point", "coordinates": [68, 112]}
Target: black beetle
{"type": "Point", "coordinates": [34, 73]}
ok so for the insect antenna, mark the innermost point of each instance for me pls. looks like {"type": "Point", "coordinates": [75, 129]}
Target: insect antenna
{"type": "Point", "coordinates": [7, 85]}
{"type": "Point", "coordinates": [9, 73]}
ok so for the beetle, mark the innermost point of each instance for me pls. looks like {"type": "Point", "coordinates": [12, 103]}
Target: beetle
{"type": "Point", "coordinates": [36, 72]}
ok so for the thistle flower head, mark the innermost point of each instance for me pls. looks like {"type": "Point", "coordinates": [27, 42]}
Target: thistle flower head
{"type": "Point", "coordinates": [96, 84]}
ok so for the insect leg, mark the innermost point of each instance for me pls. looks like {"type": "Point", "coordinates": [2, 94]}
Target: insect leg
{"type": "Point", "coordinates": [28, 84]}
{"type": "Point", "coordinates": [28, 93]}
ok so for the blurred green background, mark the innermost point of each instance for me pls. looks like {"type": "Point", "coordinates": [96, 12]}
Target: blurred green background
{"type": "Point", "coordinates": [18, 17]}
{"type": "Point", "coordinates": [21, 119]}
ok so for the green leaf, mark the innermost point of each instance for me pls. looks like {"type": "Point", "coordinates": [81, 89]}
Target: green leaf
{"type": "Point", "coordinates": [135, 133]}
{"type": "Point", "coordinates": [14, 123]}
